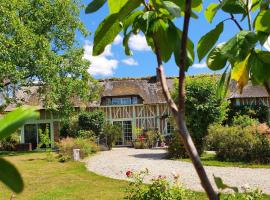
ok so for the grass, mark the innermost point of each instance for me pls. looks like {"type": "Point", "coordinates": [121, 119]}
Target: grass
{"type": "Point", "coordinates": [211, 160]}
{"type": "Point", "coordinates": [64, 181]}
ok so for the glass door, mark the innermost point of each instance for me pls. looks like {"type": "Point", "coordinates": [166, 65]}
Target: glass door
{"type": "Point", "coordinates": [127, 131]}
{"type": "Point", "coordinates": [126, 138]}
{"type": "Point", "coordinates": [30, 135]}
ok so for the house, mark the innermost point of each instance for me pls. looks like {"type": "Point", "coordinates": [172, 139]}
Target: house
{"type": "Point", "coordinates": [135, 103]}
{"type": "Point", "coordinates": [132, 103]}
{"type": "Point", "coordinates": [251, 95]}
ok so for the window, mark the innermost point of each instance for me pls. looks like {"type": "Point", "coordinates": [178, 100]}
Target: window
{"type": "Point", "coordinates": [170, 128]}
{"type": "Point", "coordinates": [123, 101]}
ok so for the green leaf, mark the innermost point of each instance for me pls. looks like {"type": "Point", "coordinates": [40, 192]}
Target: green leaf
{"type": "Point", "coordinates": [116, 5]}
{"type": "Point", "coordinates": [234, 7]}
{"type": "Point", "coordinates": [190, 50]}
{"type": "Point", "coordinates": [260, 67]}
{"type": "Point", "coordinates": [198, 8]}
{"type": "Point", "coordinates": [128, 52]}
{"type": "Point", "coordinates": [215, 59]}
{"type": "Point", "coordinates": [94, 6]}
{"type": "Point", "coordinates": [239, 46]}
{"type": "Point", "coordinates": [210, 12]}
{"type": "Point", "coordinates": [160, 30]}
{"type": "Point", "coordinates": [130, 19]}
{"type": "Point", "coordinates": [262, 22]}
{"type": "Point", "coordinates": [221, 185]}
{"type": "Point", "coordinates": [148, 16]}
{"type": "Point", "coordinates": [262, 37]}
{"type": "Point", "coordinates": [109, 28]}
{"type": "Point", "coordinates": [172, 8]}
{"type": "Point", "coordinates": [240, 72]}
{"type": "Point", "coordinates": [10, 176]}
{"type": "Point", "coordinates": [208, 41]}
{"type": "Point", "coordinates": [223, 84]}
{"type": "Point", "coordinates": [16, 119]}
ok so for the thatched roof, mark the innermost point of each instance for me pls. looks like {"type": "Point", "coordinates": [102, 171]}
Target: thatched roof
{"type": "Point", "coordinates": [249, 91]}
{"type": "Point", "coordinates": [148, 88]}
{"type": "Point", "coordinates": [26, 96]}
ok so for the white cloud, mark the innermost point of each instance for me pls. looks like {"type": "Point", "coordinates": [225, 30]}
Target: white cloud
{"type": "Point", "coordinates": [118, 40]}
{"type": "Point", "coordinates": [138, 43]}
{"type": "Point", "coordinates": [103, 64]}
{"type": "Point", "coordinates": [199, 65]}
{"type": "Point", "coordinates": [130, 62]}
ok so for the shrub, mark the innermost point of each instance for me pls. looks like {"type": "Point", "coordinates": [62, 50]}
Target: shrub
{"type": "Point", "coordinates": [92, 121]}
{"type": "Point", "coordinates": [140, 143]}
{"type": "Point", "coordinates": [176, 148]}
{"type": "Point", "coordinates": [237, 143]}
{"type": "Point", "coordinates": [259, 112]}
{"type": "Point", "coordinates": [203, 107]}
{"type": "Point", "coordinates": [85, 134]}
{"type": "Point", "coordinates": [244, 121]}
{"type": "Point", "coordinates": [9, 143]}
{"type": "Point", "coordinates": [158, 189]}
{"type": "Point", "coordinates": [69, 127]}
{"type": "Point", "coordinates": [44, 138]}
{"type": "Point", "coordinates": [86, 146]}
{"type": "Point", "coordinates": [112, 133]}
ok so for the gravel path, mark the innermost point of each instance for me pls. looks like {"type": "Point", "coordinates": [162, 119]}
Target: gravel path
{"type": "Point", "coordinates": [116, 162]}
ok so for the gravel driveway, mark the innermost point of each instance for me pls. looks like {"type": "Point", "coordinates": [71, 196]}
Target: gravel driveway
{"type": "Point", "coordinates": [116, 162]}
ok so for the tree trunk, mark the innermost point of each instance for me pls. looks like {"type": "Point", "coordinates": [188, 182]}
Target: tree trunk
{"type": "Point", "coordinates": [179, 112]}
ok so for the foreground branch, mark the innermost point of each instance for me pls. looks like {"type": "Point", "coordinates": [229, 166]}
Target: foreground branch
{"type": "Point", "coordinates": [179, 112]}
{"type": "Point", "coordinates": [267, 88]}
{"type": "Point", "coordinates": [187, 140]}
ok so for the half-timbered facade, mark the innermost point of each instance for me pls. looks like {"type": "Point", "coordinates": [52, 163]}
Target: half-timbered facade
{"type": "Point", "coordinates": [134, 104]}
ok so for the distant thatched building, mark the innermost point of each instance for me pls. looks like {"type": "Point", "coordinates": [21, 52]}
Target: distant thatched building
{"type": "Point", "coordinates": [251, 95]}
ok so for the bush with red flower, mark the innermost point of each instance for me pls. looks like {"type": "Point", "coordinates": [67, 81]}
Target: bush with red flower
{"type": "Point", "coordinates": [147, 139]}
{"type": "Point", "coordinates": [158, 189]}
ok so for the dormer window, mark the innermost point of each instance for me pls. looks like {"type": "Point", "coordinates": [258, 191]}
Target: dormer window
{"type": "Point", "coordinates": [127, 100]}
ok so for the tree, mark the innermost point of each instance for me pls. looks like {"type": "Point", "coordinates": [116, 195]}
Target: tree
{"type": "Point", "coordinates": [201, 100]}
{"type": "Point", "coordinates": [246, 55]}
{"type": "Point", "coordinates": [93, 121]}
{"type": "Point", "coordinates": [37, 44]}
{"type": "Point", "coordinates": [155, 19]}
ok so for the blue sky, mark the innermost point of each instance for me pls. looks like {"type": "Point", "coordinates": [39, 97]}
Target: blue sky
{"type": "Point", "coordinates": [114, 62]}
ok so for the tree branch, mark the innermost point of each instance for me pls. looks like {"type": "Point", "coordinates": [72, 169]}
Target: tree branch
{"type": "Point", "coordinates": [249, 17]}
{"type": "Point", "coordinates": [267, 88]}
{"type": "Point", "coordinates": [183, 131]}
{"type": "Point", "coordinates": [236, 22]}
{"type": "Point", "coordinates": [179, 112]}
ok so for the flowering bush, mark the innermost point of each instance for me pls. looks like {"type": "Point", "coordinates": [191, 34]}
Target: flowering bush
{"type": "Point", "coordinates": [158, 189]}
{"type": "Point", "coordinates": [147, 139]}
{"type": "Point", "coordinates": [66, 146]}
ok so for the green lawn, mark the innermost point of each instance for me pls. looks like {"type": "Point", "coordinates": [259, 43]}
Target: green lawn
{"type": "Point", "coordinates": [64, 181]}
{"type": "Point", "coordinates": [210, 160]}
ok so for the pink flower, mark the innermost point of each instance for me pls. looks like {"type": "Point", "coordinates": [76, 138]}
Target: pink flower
{"type": "Point", "coordinates": [129, 173]}
{"type": "Point", "coordinates": [141, 138]}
